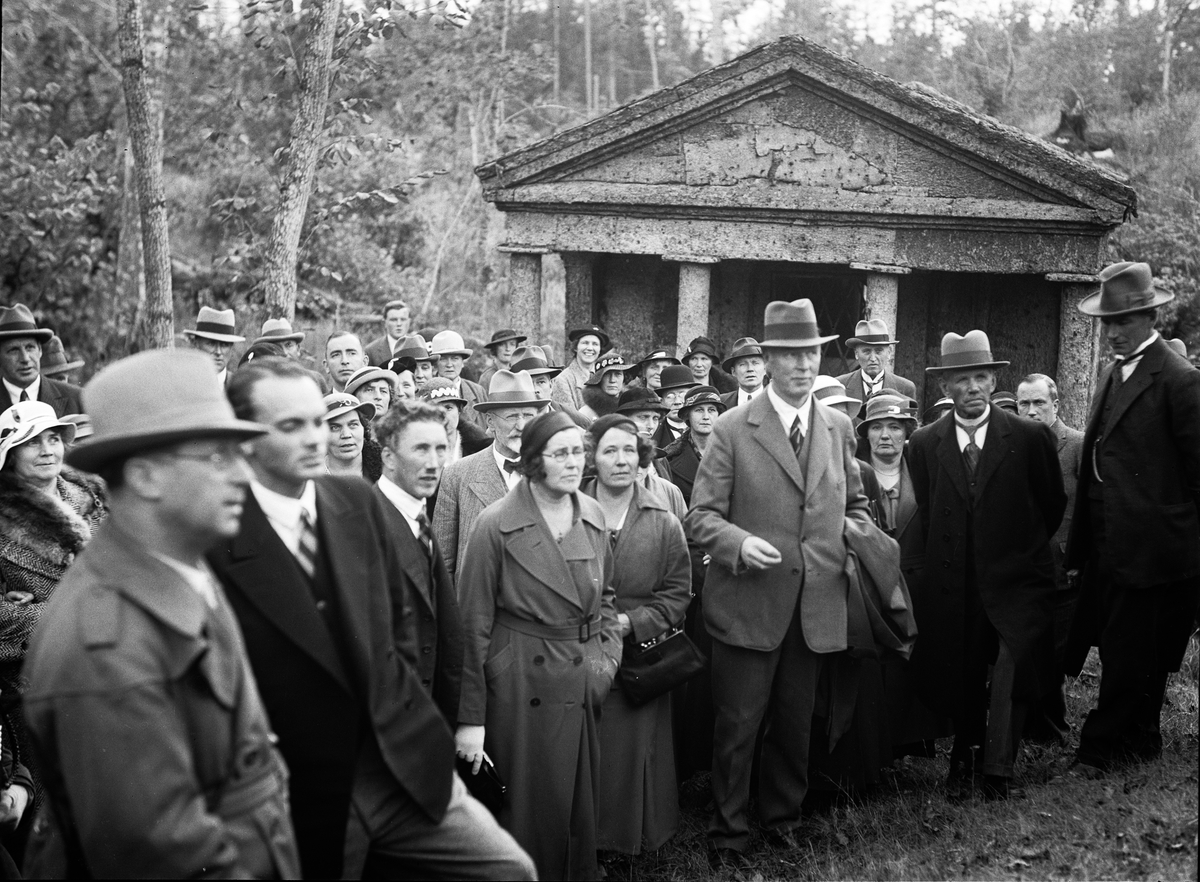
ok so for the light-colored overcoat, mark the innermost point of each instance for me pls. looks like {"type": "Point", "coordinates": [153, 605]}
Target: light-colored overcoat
{"type": "Point", "coordinates": [467, 488]}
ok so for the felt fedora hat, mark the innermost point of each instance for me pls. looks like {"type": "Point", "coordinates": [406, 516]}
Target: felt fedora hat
{"type": "Point", "coordinates": [438, 390]}
{"type": "Point", "coordinates": [635, 399]}
{"type": "Point", "coordinates": [278, 331]}
{"type": "Point", "coordinates": [532, 359]}
{"type": "Point", "coordinates": [887, 405]}
{"type": "Point", "coordinates": [54, 358]}
{"type": "Point", "coordinates": [341, 403]}
{"type": "Point", "coordinates": [449, 343]}
{"type": "Point", "coordinates": [596, 331]}
{"type": "Point", "coordinates": [25, 420]}
{"type": "Point", "coordinates": [871, 332]}
{"type": "Point", "coordinates": [791, 325]}
{"type": "Point", "coordinates": [415, 348]}
{"type": "Point", "coordinates": [503, 336]}
{"type": "Point", "coordinates": [676, 376]}
{"type": "Point", "coordinates": [1124, 288]}
{"type": "Point", "coordinates": [971, 351]}
{"type": "Point", "coordinates": [610, 361]}
{"type": "Point", "coordinates": [369, 374]}
{"type": "Point", "coordinates": [17, 321]}
{"type": "Point", "coordinates": [831, 391]}
{"type": "Point", "coordinates": [743, 347]}
{"type": "Point", "coordinates": [152, 399]}
{"type": "Point", "coordinates": [508, 389]}
{"type": "Point", "coordinates": [215, 324]}
{"type": "Point", "coordinates": [701, 395]}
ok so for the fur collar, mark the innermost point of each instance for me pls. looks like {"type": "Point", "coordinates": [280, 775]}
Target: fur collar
{"type": "Point", "coordinates": [54, 532]}
{"type": "Point", "coordinates": [602, 403]}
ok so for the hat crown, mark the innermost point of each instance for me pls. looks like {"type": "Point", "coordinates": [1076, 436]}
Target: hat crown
{"type": "Point", "coordinates": [53, 352]}
{"type": "Point", "coordinates": [279, 327]}
{"type": "Point", "coordinates": [885, 406]}
{"type": "Point", "coordinates": [413, 346]}
{"type": "Point", "coordinates": [871, 331]}
{"type": "Point", "coordinates": [511, 385]}
{"type": "Point", "coordinates": [608, 361]}
{"type": "Point", "coordinates": [447, 341]}
{"type": "Point", "coordinates": [1126, 285]}
{"type": "Point", "coordinates": [529, 356]}
{"type": "Point", "coordinates": [676, 375]}
{"type": "Point", "coordinates": [208, 315]}
{"type": "Point", "coordinates": [439, 391]}
{"type": "Point", "coordinates": [17, 321]}
{"type": "Point", "coordinates": [701, 395]}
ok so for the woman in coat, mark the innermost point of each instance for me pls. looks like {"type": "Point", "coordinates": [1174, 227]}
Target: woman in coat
{"type": "Point", "coordinates": [48, 512]}
{"type": "Point", "coordinates": [542, 647]}
{"type": "Point", "coordinates": [567, 391]}
{"type": "Point", "coordinates": [602, 390]}
{"type": "Point", "coordinates": [639, 800]}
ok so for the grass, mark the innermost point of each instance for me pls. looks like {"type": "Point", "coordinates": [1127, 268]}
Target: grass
{"type": "Point", "coordinates": [1136, 823]}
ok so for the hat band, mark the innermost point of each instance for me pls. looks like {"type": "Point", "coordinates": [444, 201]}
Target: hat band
{"type": "Point", "coordinates": [517, 397]}
{"type": "Point", "coordinates": [967, 359]}
{"type": "Point", "coordinates": [1132, 300]}
{"type": "Point", "coordinates": [791, 331]}
{"type": "Point", "coordinates": [873, 338]}
{"type": "Point", "coordinates": [19, 326]}
{"type": "Point", "coordinates": [214, 328]}
{"type": "Point", "coordinates": [530, 364]}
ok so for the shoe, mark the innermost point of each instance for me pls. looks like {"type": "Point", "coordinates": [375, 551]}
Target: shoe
{"type": "Point", "coordinates": [720, 858]}
{"type": "Point", "coordinates": [782, 840]}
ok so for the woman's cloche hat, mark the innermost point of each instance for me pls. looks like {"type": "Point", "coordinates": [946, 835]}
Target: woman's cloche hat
{"type": "Point", "coordinates": [960, 353]}
{"type": "Point", "coordinates": [369, 374]}
{"type": "Point", "coordinates": [508, 389]}
{"type": "Point", "coordinates": [605, 363]}
{"type": "Point", "coordinates": [504, 335]}
{"type": "Point", "coordinates": [887, 405]}
{"type": "Point", "coordinates": [701, 395]}
{"type": "Point", "coordinates": [25, 420]}
{"type": "Point", "coordinates": [596, 331]}
{"type": "Point", "coordinates": [1125, 288]}
{"type": "Point", "coordinates": [831, 391]}
{"type": "Point", "coordinates": [438, 390]}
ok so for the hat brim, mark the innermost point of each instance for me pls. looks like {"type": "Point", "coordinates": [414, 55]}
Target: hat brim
{"type": "Point", "coordinates": [42, 335]}
{"type": "Point", "coordinates": [862, 426]}
{"type": "Point", "coordinates": [598, 376]}
{"type": "Point", "coordinates": [796, 344]}
{"type": "Point", "coordinates": [677, 386]}
{"type": "Point", "coordinates": [1090, 305]}
{"type": "Point", "coordinates": [485, 406]}
{"type": "Point", "coordinates": [211, 335]}
{"type": "Point", "coordinates": [361, 408]}
{"type": "Point", "coordinates": [840, 399]}
{"type": "Point", "coordinates": [461, 402]}
{"type": "Point", "coordinates": [550, 372]}
{"type": "Point", "coordinates": [297, 337]}
{"type": "Point", "coordinates": [855, 341]}
{"type": "Point", "coordinates": [94, 454]}
{"type": "Point", "coordinates": [376, 373]}
{"type": "Point", "coordinates": [63, 368]}
{"type": "Point", "coordinates": [967, 367]}
{"type": "Point", "coordinates": [518, 337]}
{"type": "Point", "coordinates": [465, 353]}
{"type": "Point", "coordinates": [639, 406]}
{"type": "Point", "coordinates": [35, 428]}
{"type": "Point", "coordinates": [727, 364]}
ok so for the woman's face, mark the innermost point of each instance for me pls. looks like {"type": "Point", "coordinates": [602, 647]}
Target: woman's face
{"type": "Point", "coordinates": [700, 364]}
{"type": "Point", "coordinates": [423, 371]}
{"type": "Point", "coordinates": [886, 437]}
{"type": "Point", "coordinates": [587, 350]}
{"type": "Point", "coordinates": [406, 387]}
{"type": "Point", "coordinates": [379, 393]}
{"type": "Point", "coordinates": [612, 382]}
{"type": "Point", "coordinates": [345, 437]}
{"type": "Point", "coordinates": [451, 413]}
{"type": "Point", "coordinates": [617, 459]}
{"type": "Point", "coordinates": [563, 457]}
{"type": "Point", "coordinates": [701, 418]}
{"type": "Point", "coordinates": [39, 460]}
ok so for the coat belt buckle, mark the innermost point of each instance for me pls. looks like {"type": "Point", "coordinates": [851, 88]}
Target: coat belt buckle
{"type": "Point", "coordinates": [585, 631]}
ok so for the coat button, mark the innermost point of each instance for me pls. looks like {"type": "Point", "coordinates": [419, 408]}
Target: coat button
{"type": "Point", "coordinates": [539, 659]}
{"type": "Point", "coordinates": [321, 604]}
{"type": "Point", "coordinates": [534, 702]}
{"type": "Point", "coordinates": [578, 660]}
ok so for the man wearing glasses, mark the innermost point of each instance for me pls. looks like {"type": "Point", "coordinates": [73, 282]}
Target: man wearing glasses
{"type": "Point", "coordinates": [475, 482]}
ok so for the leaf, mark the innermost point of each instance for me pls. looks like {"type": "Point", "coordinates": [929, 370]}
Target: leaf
{"type": "Point", "coordinates": [842, 839]}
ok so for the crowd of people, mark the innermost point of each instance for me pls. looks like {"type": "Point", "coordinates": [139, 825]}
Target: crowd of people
{"type": "Point", "coordinates": [372, 618]}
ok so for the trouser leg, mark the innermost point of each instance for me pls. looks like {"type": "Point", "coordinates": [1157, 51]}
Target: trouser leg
{"type": "Point", "coordinates": [1006, 718]}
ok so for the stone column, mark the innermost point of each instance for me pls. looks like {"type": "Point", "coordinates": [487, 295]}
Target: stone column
{"type": "Point", "coordinates": [1078, 355]}
{"type": "Point", "coordinates": [579, 307]}
{"type": "Point", "coordinates": [695, 280]}
{"type": "Point", "coordinates": [525, 290]}
{"type": "Point", "coordinates": [881, 298]}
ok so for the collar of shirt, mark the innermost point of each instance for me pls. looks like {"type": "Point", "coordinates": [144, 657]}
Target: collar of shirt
{"type": "Point", "coordinates": [199, 579]}
{"type": "Point", "coordinates": [870, 386]}
{"type": "Point", "coordinates": [676, 425]}
{"type": "Point", "coordinates": [980, 433]}
{"type": "Point", "coordinates": [1128, 364]}
{"type": "Point", "coordinates": [510, 478]}
{"type": "Point", "coordinates": [787, 413]}
{"type": "Point", "coordinates": [283, 512]}
{"type": "Point", "coordinates": [744, 396]}
{"type": "Point", "coordinates": [407, 504]}
{"type": "Point", "coordinates": [14, 392]}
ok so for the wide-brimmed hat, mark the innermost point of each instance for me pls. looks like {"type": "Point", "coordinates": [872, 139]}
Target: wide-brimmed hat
{"type": "Point", "coordinates": [341, 403]}
{"type": "Point", "coordinates": [152, 399]}
{"type": "Point", "coordinates": [369, 374]}
{"type": "Point", "coordinates": [871, 332]}
{"type": "Point", "coordinates": [414, 348]}
{"type": "Point", "coordinates": [605, 363]}
{"type": "Point", "coordinates": [701, 346]}
{"type": "Point", "coordinates": [1124, 288]}
{"type": "Point", "coordinates": [533, 360]}
{"type": "Point", "coordinates": [887, 406]}
{"type": "Point", "coordinates": [509, 389]}
{"type": "Point", "coordinates": [449, 343]}
{"type": "Point", "coordinates": [743, 347]}
{"type": "Point", "coordinates": [791, 325]}
{"type": "Point", "coordinates": [657, 355]}
{"type": "Point", "coordinates": [938, 408]}
{"type": "Point", "coordinates": [215, 324]}
{"type": "Point", "coordinates": [438, 390]}
{"type": "Point", "coordinates": [960, 353]}
{"type": "Point", "coordinates": [1005, 399]}
{"type": "Point", "coordinates": [676, 376]}
{"type": "Point", "coordinates": [831, 391]}
{"type": "Point", "coordinates": [82, 423]}
{"type": "Point", "coordinates": [591, 330]}
{"type": "Point", "coordinates": [503, 336]}
{"type": "Point", "coordinates": [25, 420]}
{"type": "Point", "coordinates": [54, 358]}
{"type": "Point", "coordinates": [278, 331]}
{"type": "Point", "coordinates": [701, 395]}
{"type": "Point", "coordinates": [17, 321]}
{"type": "Point", "coordinates": [637, 398]}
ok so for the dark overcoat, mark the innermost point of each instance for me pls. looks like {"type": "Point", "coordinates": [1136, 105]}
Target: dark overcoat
{"type": "Point", "coordinates": [1018, 503]}
{"type": "Point", "coordinates": [540, 696]}
{"type": "Point", "coordinates": [681, 458]}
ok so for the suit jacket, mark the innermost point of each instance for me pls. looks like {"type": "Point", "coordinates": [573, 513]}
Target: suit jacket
{"type": "Point", "coordinates": [1070, 459]}
{"type": "Point", "coordinates": [378, 352]}
{"type": "Point", "coordinates": [433, 644]}
{"type": "Point", "coordinates": [750, 484]}
{"type": "Point", "coordinates": [853, 382]}
{"type": "Point", "coordinates": [1017, 506]}
{"type": "Point", "coordinates": [468, 487]}
{"type": "Point", "coordinates": [1149, 460]}
{"type": "Point", "coordinates": [473, 392]}
{"type": "Point", "coordinates": [63, 397]}
{"type": "Point", "coordinates": [150, 728]}
{"type": "Point", "coordinates": [322, 704]}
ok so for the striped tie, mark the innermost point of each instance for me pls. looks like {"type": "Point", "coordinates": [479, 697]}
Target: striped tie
{"type": "Point", "coordinates": [306, 548]}
{"type": "Point", "coordinates": [426, 534]}
{"type": "Point", "coordinates": [796, 436]}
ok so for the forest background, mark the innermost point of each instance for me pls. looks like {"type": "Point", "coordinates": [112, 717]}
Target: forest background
{"type": "Point", "coordinates": [420, 95]}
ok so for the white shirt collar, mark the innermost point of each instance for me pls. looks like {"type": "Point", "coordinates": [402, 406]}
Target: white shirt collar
{"type": "Point", "coordinates": [743, 396]}
{"type": "Point", "coordinates": [14, 392]}
{"type": "Point", "coordinates": [980, 434]}
{"type": "Point", "coordinates": [510, 478]}
{"type": "Point", "coordinates": [407, 504]}
{"type": "Point", "coordinates": [284, 510]}
{"type": "Point", "coordinates": [873, 385]}
{"type": "Point", "coordinates": [223, 376]}
{"type": "Point", "coordinates": [1137, 352]}
{"type": "Point", "coordinates": [787, 413]}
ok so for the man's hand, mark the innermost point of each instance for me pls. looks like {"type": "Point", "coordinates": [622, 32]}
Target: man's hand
{"type": "Point", "coordinates": [468, 743]}
{"type": "Point", "coordinates": [759, 554]}
{"type": "Point", "coordinates": [13, 801]}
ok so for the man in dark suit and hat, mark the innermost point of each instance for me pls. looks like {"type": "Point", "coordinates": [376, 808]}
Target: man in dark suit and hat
{"type": "Point", "coordinates": [873, 348]}
{"type": "Point", "coordinates": [990, 495]}
{"type": "Point", "coordinates": [749, 368]}
{"type": "Point", "coordinates": [1136, 532]}
{"type": "Point", "coordinates": [21, 342]}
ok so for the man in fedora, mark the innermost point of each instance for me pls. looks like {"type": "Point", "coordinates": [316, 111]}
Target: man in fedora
{"type": "Point", "coordinates": [452, 354]}
{"type": "Point", "coordinates": [214, 336]}
{"type": "Point", "coordinates": [313, 575]}
{"type": "Point", "coordinates": [776, 484]}
{"type": "Point", "coordinates": [157, 754]}
{"type": "Point", "coordinates": [1135, 536]}
{"type": "Point", "coordinates": [21, 342]}
{"type": "Point", "coordinates": [279, 331]}
{"type": "Point", "coordinates": [55, 363]}
{"type": "Point", "coordinates": [990, 494]}
{"type": "Point", "coordinates": [873, 349]}
{"type": "Point", "coordinates": [475, 482]}
{"type": "Point", "coordinates": [534, 361]}
{"type": "Point", "coordinates": [501, 348]}
{"type": "Point", "coordinates": [413, 355]}
{"type": "Point", "coordinates": [749, 368]}
{"type": "Point", "coordinates": [396, 322]}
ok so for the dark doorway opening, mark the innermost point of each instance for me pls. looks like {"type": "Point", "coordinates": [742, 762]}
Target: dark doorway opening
{"type": "Point", "coordinates": [837, 296]}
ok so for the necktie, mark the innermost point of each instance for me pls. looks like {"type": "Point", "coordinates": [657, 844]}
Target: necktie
{"type": "Point", "coordinates": [512, 465]}
{"type": "Point", "coordinates": [24, 395]}
{"type": "Point", "coordinates": [796, 436]}
{"type": "Point", "coordinates": [306, 548]}
{"type": "Point", "coordinates": [426, 534]}
{"type": "Point", "coordinates": [891, 498]}
{"type": "Point", "coordinates": [971, 451]}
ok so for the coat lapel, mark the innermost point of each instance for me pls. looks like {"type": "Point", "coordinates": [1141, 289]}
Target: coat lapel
{"type": "Point", "coordinates": [769, 433]}
{"type": "Point", "coordinates": [485, 482]}
{"type": "Point", "coordinates": [530, 545]}
{"type": "Point", "coordinates": [820, 447]}
{"type": "Point", "coordinates": [348, 532]}
{"type": "Point", "coordinates": [950, 456]}
{"type": "Point", "coordinates": [412, 555]}
{"type": "Point", "coordinates": [1139, 381]}
{"type": "Point", "coordinates": [995, 447]}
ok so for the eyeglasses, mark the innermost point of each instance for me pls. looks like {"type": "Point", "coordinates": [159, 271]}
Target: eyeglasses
{"type": "Point", "coordinates": [560, 456]}
{"type": "Point", "coordinates": [223, 459]}
{"type": "Point", "coordinates": [513, 419]}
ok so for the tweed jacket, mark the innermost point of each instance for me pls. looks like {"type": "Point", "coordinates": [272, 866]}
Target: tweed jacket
{"type": "Point", "coordinates": [855, 388]}
{"type": "Point", "coordinates": [750, 484]}
{"type": "Point", "coordinates": [378, 352]}
{"type": "Point", "coordinates": [150, 726]}
{"type": "Point", "coordinates": [63, 397]}
{"type": "Point", "coordinates": [468, 487]}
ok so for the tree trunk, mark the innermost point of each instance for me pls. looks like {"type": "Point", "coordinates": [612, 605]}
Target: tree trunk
{"type": "Point", "coordinates": [300, 162]}
{"type": "Point", "coordinates": [557, 54]}
{"type": "Point", "coordinates": [652, 46]}
{"type": "Point", "coordinates": [145, 140]}
{"type": "Point", "coordinates": [587, 57]}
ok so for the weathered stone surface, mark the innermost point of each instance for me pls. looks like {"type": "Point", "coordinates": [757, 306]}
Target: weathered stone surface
{"type": "Point", "coordinates": [525, 293]}
{"type": "Point", "coordinates": [1079, 356]}
{"type": "Point", "coordinates": [694, 284]}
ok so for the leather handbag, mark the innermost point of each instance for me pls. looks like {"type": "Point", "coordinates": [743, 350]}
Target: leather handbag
{"type": "Point", "coordinates": [654, 667]}
{"type": "Point", "coordinates": [487, 786]}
